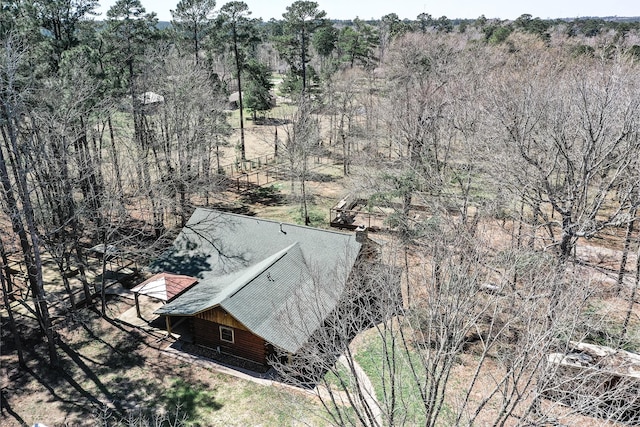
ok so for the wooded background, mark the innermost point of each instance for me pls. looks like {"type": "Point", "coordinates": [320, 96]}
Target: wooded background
{"type": "Point", "coordinates": [521, 137]}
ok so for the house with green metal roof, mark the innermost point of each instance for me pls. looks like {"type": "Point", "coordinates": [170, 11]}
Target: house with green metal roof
{"type": "Point", "coordinates": [264, 287]}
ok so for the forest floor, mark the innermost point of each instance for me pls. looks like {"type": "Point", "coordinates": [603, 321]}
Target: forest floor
{"type": "Point", "coordinates": [111, 370]}
{"type": "Point", "coordinates": [109, 364]}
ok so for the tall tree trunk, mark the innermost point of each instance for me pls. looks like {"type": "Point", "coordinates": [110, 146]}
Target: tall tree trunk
{"type": "Point", "coordinates": [64, 271]}
{"type": "Point", "coordinates": [625, 250]}
{"type": "Point", "coordinates": [81, 269]}
{"type": "Point", "coordinates": [243, 155]}
{"type": "Point", "coordinates": [303, 190]}
{"type": "Point", "coordinates": [218, 157]}
{"type": "Point", "coordinates": [5, 280]}
{"type": "Point", "coordinates": [632, 300]}
{"type": "Point", "coordinates": [7, 272]}
{"type": "Point", "coordinates": [405, 250]}
{"type": "Point", "coordinates": [303, 59]}
{"type": "Point", "coordinates": [156, 209]}
{"type": "Point", "coordinates": [113, 152]}
{"type": "Point", "coordinates": [275, 143]}
{"type": "Point", "coordinates": [103, 280]}
{"type": "Point", "coordinates": [196, 44]}
{"type": "Point", "coordinates": [343, 136]}
{"type": "Point", "coordinates": [566, 242]}
{"type": "Point", "coordinates": [31, 251]}
{"type": "Point", "coordinates": [182, 194]}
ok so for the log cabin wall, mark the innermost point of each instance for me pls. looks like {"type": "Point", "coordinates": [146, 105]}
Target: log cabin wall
{"type": "Point", "coordinates": [206, 332]}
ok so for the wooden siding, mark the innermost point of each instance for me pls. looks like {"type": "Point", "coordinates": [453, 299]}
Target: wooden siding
{"type": "Point", "coordinates": [220, 316]}
{"type": "Point", "coordinates": [245, 344]}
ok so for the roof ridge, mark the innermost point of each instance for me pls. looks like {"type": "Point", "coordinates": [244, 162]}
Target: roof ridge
{"type": "Point", "coordinates": [247, 218]}
{"type": "Point", "coordinates": [251, 273]}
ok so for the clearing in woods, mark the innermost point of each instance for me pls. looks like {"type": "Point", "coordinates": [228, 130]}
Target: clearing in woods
{"type": "Point", "coordinates": [110, 368]}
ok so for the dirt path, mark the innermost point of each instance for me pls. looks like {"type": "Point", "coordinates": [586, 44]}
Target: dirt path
{"type": "Point", "coordinates": [366, 389]}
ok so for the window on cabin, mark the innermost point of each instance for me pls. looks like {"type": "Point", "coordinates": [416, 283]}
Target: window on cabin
{"type": "Point", "coordinates": [226, 334]}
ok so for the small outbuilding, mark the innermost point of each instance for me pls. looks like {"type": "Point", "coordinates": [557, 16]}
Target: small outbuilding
{"type": "Point", "coordinates": [150, 102]}
{"type": "Point", "coordinates": [596, 380]}
{"type": "Point", "coordinates": [150, 98]}
{"type": "Point", "coordinates": [233, 102]}
{"type": "Point", "coordinates": [163, 286]}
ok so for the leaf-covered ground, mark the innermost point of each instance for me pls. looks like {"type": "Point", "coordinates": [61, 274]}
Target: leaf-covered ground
{"type": "Point", "coordinates": [112, 371]}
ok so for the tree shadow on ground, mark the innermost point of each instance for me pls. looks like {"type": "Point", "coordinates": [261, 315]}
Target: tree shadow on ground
{"type": "Point", "coordinates": [124, 353]}
{"type": "Point", "coordinates": [101, 370]}
{"type": "Point", "coordinates": [190, 397]}
{"type": "Point", "coordinates": [236, 209]}
{"type": "Point", "coordinates": [71, 387]}
{"type": "Point", "coordinates": [321, 177]}
{"type": "Point", "coordinates": [266, 196]}
{"type": "Point", "coordinates": [6, 409]}
{"type": "Point", "coordinates": [177, 262]}
{"type": "Point", "coordinates": [119, 357]}
{"type": "Point", "coordinates": [271, 121]}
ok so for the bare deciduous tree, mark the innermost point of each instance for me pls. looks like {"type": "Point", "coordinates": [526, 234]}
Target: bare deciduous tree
{"type": "Point", "coordinates": [473, 321]}
{"type": "Point", "coordinates": [569, 129]}
{"type": "Point", "coordinates": [17, 192]}
{"type": "Point", "coordinates": [301, 142]}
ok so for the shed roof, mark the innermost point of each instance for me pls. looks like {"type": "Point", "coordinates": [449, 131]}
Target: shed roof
{"type": "Point", "coordinates": [165, 286]}
{"type": "Point", "coordinates": [150, 98]}
{"type": "Point", "coordinates": [234, 97]}
{"type": "Point", "coordinates": [279, 280]}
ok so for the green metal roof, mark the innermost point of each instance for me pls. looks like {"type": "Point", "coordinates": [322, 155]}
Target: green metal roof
{"type": "Point", "coordinates": [279, 280]}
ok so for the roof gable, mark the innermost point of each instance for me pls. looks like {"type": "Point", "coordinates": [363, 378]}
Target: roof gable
{"type": "Point", "coordinates": [284, 304]}
{"type": "Point", "coordinates": [165, 286]}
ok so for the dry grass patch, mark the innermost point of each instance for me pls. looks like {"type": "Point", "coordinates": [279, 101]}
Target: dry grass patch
{"type": "Point", "coordinates": [111, 370]}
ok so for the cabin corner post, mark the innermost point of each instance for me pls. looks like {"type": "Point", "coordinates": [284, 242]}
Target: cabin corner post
{"type": "Point", "coordinates": [137, 305]}
{"type": "Point", "coordinates": [168, 321]}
